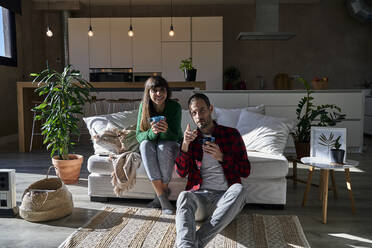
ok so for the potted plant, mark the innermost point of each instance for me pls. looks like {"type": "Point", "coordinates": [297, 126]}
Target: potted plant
{"type": "Point", "coordinates": [188, 69]}
{"type": "Point", "coordinates": [231, 76]}
{"type": "Point", "coordinates": [337, 154]}
{"type": "Point", "coordinates": [64, 97]}
{"type": "Point", "coordinates": [310, 115]}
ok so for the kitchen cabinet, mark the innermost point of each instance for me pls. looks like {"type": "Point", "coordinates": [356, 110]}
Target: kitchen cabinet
{"type": "Point", "coordinates": [172, 54]}
{"type": "Point", "coordinates": [207, 28]}
{"type": "Point", "coordinates": [120, 43]}
{"type": "Point", "coordinates": [147, 44]}
{"type": "Point", "coordinates": [151, 49]}
{"type": "Point", "coordinates": [78, 45]}
{"type": "Point", "coordinates": [208, 60]}
{"type": "Point", "coordinates": [181, 25]}
{"type": "Point", "coordinates": [99, 43]}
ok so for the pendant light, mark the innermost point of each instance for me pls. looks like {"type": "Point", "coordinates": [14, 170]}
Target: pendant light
{"type": "Point", "coordinates": [130, 32]}
{"type": "Point", "coordinates": [171, 29]}
{"type": "Point", "coordinates": [90, 31]}
{"type": "Point", "coordinates": [49, 32]}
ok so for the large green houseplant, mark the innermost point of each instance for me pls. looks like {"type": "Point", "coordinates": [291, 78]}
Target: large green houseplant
{"type": "Point", "coordinates": [309, 115]}
{"type": "Point", "coordinates": [64, 95]}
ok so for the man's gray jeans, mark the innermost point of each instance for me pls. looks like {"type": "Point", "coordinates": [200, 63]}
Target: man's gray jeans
{"type": "Point", "coordinates": [158, 158]}
{"type": "Point", "coordinates": [220, 207]}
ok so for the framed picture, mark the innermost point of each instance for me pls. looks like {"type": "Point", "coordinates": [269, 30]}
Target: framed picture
{"type": "Point", "coordinates": [323, 139]}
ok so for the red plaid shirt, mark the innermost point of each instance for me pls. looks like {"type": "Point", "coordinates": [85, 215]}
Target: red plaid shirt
{"type": "Point", "coordinates": [235, 160]}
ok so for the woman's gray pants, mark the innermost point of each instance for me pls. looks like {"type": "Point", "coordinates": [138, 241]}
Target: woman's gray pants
{"type": "Point", "coordinates": [220, 207]}
{"type": "Point", "coordinates": [158, 158]}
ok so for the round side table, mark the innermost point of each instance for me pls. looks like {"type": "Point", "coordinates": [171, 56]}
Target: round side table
{"type": "Point", "coordinates": [326, 167]}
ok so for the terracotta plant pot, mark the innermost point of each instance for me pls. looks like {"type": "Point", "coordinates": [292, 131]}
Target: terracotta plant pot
{"type": "Point", "coordinates": [302, 149]}
{"type": "Point", "coordinates": [68, 170]}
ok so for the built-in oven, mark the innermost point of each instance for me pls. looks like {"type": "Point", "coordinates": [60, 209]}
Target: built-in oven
{"type": "Point", "coordinates": [111, 75]}
{"type": "Point", "coordinates": [143, 76]}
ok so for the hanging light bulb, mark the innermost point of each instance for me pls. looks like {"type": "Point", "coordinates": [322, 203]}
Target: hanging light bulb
{"type": "Point", "coordinates": [49, 32]}
{"type": "Point", "coordinates": [171, 31]}
{"type": "Point", "coordinates": [90, 32]}
{"type": "Point", "coordinates": [130, 32]}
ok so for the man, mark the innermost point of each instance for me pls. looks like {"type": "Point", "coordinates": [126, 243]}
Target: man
{"type": "Point", "coordinates": [214, 169]}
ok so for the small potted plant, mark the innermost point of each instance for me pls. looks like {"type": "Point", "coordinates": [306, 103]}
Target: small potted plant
{"type": "Point", "coordinates": [64, 97]}
{"type": "Point", "coordinates": [188, 70]}
{"type": "Point", "coordinates": [337, 154]}
{"type": "Point", "coordinates": [310, 115]}
{"type": "Point", "coordinates": [231, 76]}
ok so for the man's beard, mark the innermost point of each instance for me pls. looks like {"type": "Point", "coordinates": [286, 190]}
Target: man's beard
{"type": "Point", "coordinates": [205, 123]}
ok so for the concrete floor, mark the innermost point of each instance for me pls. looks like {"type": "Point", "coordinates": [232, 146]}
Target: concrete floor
{"type": "Point", "coordinates": [343, 229]}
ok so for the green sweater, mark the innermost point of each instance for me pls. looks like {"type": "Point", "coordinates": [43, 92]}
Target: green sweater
{"type": "Point", "coordinates": [173, 114]}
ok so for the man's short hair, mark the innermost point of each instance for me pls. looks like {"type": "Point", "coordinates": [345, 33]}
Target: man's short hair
{"type": "Point", "coordinates": [199, 96]}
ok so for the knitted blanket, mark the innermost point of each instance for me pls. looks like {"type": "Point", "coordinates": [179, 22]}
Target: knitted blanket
{"type": "Point", "coordinates": [124, 155]}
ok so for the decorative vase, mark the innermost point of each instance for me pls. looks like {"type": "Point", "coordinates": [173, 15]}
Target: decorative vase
{"type": "Point", "coordinates": [319, 85]}
{"type": "Point", "coordinates": [190, 75]}
{"type": "Point", "coordinates": [68, 170]}
{"type": "Point", "coordinates": [337, 156]}
{"type": "Point", "coordinates": [302, 149]}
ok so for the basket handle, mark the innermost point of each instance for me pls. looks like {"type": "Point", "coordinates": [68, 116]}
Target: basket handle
{"type": "Point", "coordinates": [50, 167]}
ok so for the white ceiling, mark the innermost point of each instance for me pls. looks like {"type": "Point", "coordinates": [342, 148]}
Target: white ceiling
{"type": "Point", "coordinates": [167, 2]}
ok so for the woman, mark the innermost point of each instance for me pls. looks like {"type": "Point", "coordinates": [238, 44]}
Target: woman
{"type": "Point", "coordinates": [158, 140]}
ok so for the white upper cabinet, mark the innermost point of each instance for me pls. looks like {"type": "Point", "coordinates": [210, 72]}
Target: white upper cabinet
{"type": "Point", "coordinates": [208, 60]}
{"type": "Point", "coordinates": [172, 54]}
{"type": "Point", "coordinates": [99, 43]}
{"type": "Point", "coordinates": [121, 52]}
{"type": "Point", "coordinates": [78, 45]}
{"type": "Point", "coordinates": [207, 28]}
{"type": "Point", "coordinates": [147, 44]}
{"type": "Point", "coordinates": [181, 27]}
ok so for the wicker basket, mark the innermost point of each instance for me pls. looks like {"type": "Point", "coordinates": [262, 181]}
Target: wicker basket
{"type": "Point", "coordinates": [46, 199]}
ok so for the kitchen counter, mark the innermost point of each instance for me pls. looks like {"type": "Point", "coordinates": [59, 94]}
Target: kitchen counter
{"type": "Point", "coordinates": [26, 96]}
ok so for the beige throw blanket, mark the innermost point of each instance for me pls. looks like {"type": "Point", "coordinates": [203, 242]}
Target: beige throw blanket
{"type": "Point", "coordinates": [124, 156]}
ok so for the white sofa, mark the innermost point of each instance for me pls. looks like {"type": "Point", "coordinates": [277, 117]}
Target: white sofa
{"type": "Point", "coordinates": [265, 185]}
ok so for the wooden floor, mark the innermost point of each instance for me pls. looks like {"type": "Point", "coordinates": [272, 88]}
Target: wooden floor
{"type": "Point", "coordinates": [343, 229]}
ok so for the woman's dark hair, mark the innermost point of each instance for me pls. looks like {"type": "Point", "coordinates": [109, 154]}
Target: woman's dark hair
{"type": "Point", "coordinates": [199, 96]}
{"type": "Point", "coordinates": [147, 107]}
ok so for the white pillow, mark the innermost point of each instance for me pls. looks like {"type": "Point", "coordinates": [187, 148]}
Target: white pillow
{"type": "Point", "coordinates": [98, 124]}
{"type": "Point", "coordinates": [264, 133]}
{"type": "Point", "coordinates": [230, 117]}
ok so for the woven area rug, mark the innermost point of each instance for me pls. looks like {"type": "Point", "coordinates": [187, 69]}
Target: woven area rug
{"type": "Point", "coordinates": [136, 227]}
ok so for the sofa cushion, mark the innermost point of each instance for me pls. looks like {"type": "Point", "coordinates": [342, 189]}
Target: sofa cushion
{"type": "Point", "coordinates": [101, 165]}
{"type": "Point", "coordinates": [230, 117]}
{"type": "Point", "coordinates": [264, 133]}
{"type": "Point", "coordinates": [265, 165]}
